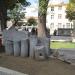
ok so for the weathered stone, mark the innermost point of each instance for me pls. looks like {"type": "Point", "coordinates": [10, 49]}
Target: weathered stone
{"type": "Point", "coordinates": [9, 34]}
{"type": "Point", "coordinates": [40, 53]}
{"type": "Point", "coordinates": [17, 48]}
{"type": "Point", "coordinates": [9, 47]}
{"type": "Point", "coordinates": [16, 36]}
{"type": "Point", "coordinates": [46, 43]}
{"type": "Point", "coordinates": [24, 47]}
{"type": "Point", "coordinates": [33, 43]}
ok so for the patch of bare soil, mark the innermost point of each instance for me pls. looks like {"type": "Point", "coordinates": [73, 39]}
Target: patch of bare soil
{"type": "Point", "coordinates": [34, 67]}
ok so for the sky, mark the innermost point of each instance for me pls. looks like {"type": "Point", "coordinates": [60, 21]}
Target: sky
{"type": "Point", "coordinates": [33, 1]}
{"type": "Point", "coordinates": [33, 8]}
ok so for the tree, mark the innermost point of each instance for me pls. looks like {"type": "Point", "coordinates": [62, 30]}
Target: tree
{"type": "Point", "coordinates": [71, 13]}
{"type": "Point", "coordinates": [32, 21]}
{"type": "Point", "coordinates": [8, 4]}
{"type": "Point", "coordinates": [42, 12]}
{"type": "Point", "coordinates": [17, 14]}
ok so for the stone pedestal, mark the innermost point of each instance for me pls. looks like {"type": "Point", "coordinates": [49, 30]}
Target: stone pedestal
{"type": "Point", "coordinates": [40, 53]}
{"type": "Point", "coordinates": [17, 48]}
{"type": "Point", "coordinates": [24, 48]}
{"type": "Point", "coordinates": [9, 47]}
{"type": "Point", "coordinates": [46, 43]}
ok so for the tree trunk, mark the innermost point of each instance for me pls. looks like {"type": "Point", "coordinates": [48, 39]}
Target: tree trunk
{"type": "Point", "coordinates": [42, 26]}
{"type": "Point", "coordinates": [42, 12]}
{"type": "Point", "coordinates": [3, 14]}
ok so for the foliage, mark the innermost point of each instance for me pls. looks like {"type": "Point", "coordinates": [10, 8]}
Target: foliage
{"type": "Point", "coordinates": [32, 21]}
{"type": "Point", "coordinates": [16, 13]}
{"type": "Point", "coordinates": [71, 10]}
{"type": "Point", "coordinates": [16, 8]}
{"type": "Point", "coordinates": [72, 1]}
{"type": "Point", "coordinates": [10, 4]}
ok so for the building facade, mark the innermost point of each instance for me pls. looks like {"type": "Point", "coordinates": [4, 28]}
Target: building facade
{"type": "Point", "coordinates": [56, 17]}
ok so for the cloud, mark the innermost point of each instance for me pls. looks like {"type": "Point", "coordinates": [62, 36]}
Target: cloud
{"type": "Point", "coordinates": [32, 10]}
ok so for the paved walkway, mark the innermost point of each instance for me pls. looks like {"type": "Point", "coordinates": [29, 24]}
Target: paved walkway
{"type": "Point", "coordinates": [61, 38]}
{"type": "Point", "coordinates": [5, 71]}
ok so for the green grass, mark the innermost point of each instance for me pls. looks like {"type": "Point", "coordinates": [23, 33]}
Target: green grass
{"type": "Point", "coordinates": [58, 45]}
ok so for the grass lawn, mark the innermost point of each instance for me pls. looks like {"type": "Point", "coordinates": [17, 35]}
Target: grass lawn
{"type": "Point", "coordinates": [57, 45]}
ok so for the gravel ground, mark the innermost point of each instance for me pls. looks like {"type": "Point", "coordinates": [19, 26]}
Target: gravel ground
{"type": "Point", "coordinates": [34, 67]}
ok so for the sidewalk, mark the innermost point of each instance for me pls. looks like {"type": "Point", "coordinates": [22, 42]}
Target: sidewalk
{"type": "Point", "coordinates": [5, 71]}
{"type": "Point", "coordinates": [61, 38]}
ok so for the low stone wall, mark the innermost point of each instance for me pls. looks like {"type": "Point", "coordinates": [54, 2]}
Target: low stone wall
{"type": "Point", "coordinates": [19, 43]}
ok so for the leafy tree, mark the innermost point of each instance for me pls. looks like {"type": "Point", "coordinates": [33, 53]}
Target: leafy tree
{"type": "Point", "coordinates": [32, 21]}
{"type": "Point", "coordinates": [17, 14]}
{"type": "Point", "coordinates": [71, 13]}
{"type": "Point", "coordinates": [42, 12]}
{"type": "Point", "coordinates": [8, 4]}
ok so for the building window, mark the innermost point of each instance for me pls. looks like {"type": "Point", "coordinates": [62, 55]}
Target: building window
{"type": "Point", "coordinates": [52, 16]}
{"type": "Point", "coordinates": [68, 25]}
{"type": "Point", "coordinates": [52, 8]}
{"type": "Point", "coordinates": [63, 26]}
{"type": "Point", "coordinates": [59, 25]}
{"type": "Point", "coordinates": [59, 7]}
{"type": "Point", "coordinates": [59, 16]}
{"type": "Point", "coordinates": [52, 25]}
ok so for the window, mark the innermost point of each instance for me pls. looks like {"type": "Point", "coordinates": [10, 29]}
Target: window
{"type": "Point", "coordinates": [59, 16]}
{"type": "Point", "coordinates": [60, 8]}
{"type": "Point", "coordinates": [52, 16]}
{"type": "Point", "coordinates": [68, 25]}
{"type": "Point", "coordinates": [52, 8]}
{"type": "Point", "coordinates": [59, 25]}
{"type": "Point", "coordinates": [63, 26]}
{"type": "Point", "coordinates": [52, 25]}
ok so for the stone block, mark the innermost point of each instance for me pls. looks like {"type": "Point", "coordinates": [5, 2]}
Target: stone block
{"type": "Point", "coordinates": [24, 48]}
{"type": "Point", "coordinates": [46, 43]}
{"type": "Point", "coordinates": [40, 53]}
{"type": "Point", "coordinates": [33, 43]}
{"type": "Point", "coordinates": [9, 47]}
{"type": "Point", "coordinates": [17, 48]}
